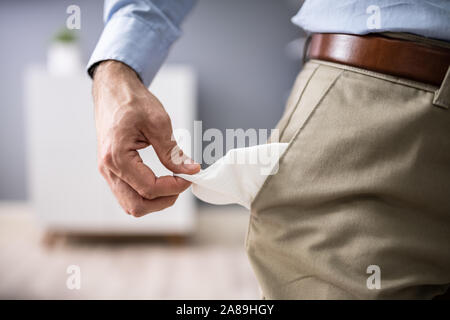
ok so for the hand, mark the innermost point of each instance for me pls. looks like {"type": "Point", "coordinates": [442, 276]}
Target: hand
{"type": "Point", "coordinates": [128, 118]}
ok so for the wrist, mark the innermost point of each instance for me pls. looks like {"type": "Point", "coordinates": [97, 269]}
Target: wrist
{"type": "Point", "coordinates": [113, 69]}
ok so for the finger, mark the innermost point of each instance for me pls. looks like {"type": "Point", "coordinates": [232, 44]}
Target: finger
{"type": "Point", "coordinates": [154, 205]}
{"type": "Point", "coordinates": [128, 165]}
{"type": "Point", "coordinates": [132, 170]}
{"type": "Point", "coordinates": [133, 203]}
{"type": "Point", "coordinates": [173, 158]}
{"type": "Point", "coordinates": [170, 185]}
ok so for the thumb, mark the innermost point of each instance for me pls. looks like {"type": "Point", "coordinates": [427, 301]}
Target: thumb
{"type": "Point", "coordinates": [173, 158]}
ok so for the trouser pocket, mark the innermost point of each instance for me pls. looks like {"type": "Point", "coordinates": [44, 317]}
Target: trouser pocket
{"type": "Point", "coordinates": [364, 182]}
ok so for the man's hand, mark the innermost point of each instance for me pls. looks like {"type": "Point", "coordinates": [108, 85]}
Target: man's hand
{"type": "Point", "coordinates": [128, 118]}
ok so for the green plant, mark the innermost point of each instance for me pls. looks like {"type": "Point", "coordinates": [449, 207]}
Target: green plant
{"type": "Point", "coordinates": [65, 35]}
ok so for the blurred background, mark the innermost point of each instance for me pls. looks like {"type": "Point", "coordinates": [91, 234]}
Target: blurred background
{"type": "Point", "coordinates": [233, 67]}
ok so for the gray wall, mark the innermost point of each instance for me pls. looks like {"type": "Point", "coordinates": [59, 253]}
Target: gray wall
{"type": "Point", "coordinates": [237, 47]}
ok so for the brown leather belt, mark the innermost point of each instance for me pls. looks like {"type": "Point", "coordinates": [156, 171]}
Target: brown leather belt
{"type": "Point", "coordinates": [400, 58]}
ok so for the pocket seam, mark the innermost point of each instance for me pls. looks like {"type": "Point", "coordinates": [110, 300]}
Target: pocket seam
{"type": "Point", "coordinates": [298, 101]}
{"type": "Point", "coordinates": [297, 133]}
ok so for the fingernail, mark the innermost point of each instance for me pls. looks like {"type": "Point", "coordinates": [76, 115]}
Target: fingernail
{"type": "Point", "coordinates": [190, 164]}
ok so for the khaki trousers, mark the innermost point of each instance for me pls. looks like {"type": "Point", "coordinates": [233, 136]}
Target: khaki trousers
{"type": "Point", "coordinates": [365, 182]}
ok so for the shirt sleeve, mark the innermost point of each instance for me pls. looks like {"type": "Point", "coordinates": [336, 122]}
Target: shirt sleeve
{"type": "Point", "coordinates": [139, 33]}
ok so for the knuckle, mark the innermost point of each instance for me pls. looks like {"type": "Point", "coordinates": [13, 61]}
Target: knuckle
{"type": "Point", "coordinates": [136, 211]}
{"type": "Point", "coordinates": [106, 160]}
{"type": "Point", "coordinates": [147, 194]}
{"type": "Point", "coordinates": [160, 121]}
{"type": "Point", "coordinates": [101, 168]}
{"type": "Point", "coordinates": [172, 201]}
{"type": "Point", "coordinates": [162, 117]}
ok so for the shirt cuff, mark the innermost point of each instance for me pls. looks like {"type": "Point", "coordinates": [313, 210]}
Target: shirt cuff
{"type": "Point", "coordinates": [139, 44]}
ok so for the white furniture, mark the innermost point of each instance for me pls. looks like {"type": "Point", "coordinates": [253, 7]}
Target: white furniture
{"type": "Point", "coordinates": [67, 191]}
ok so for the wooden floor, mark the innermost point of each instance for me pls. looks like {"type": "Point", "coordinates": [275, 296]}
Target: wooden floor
{"type": "Point", "coordinates": [210, 265]}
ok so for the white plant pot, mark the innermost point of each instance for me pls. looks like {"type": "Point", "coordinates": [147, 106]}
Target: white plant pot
{"type": "Point", "coordinates": [64, 59]}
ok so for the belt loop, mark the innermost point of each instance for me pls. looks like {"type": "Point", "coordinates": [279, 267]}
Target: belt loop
{"type": "Point", "coordinates": [442, 95]}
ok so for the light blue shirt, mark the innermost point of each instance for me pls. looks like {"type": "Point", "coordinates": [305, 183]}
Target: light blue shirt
{"type": "Point", "coordinates": [140, 32]}
{"type": "Point", "coordinates": [427, 18]}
